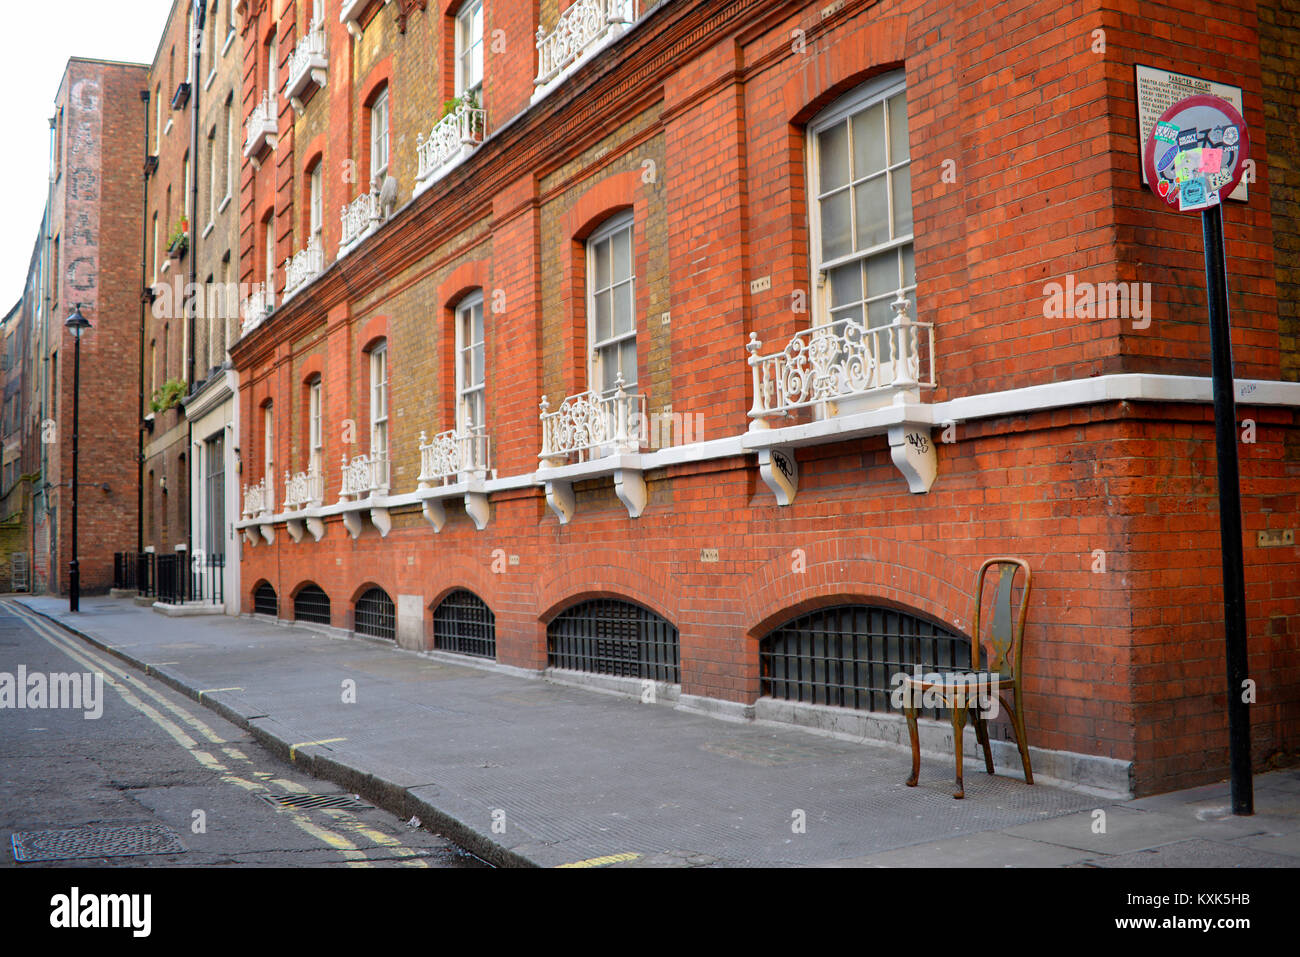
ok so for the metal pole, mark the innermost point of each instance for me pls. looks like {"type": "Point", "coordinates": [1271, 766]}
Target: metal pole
{"type": "Point", "coordinates": [74, 570]}
{"type": "Point", "coordinates": [1234, 575]}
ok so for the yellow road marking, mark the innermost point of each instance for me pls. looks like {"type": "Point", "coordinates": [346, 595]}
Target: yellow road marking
{"type": "Point", "coordinates": [293, 748]}
{"type": "Point", "coordinates": [603, 861]}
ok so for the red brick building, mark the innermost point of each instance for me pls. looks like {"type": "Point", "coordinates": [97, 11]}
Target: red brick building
{"type": "Point", "coordinates": [91, 260]}
{"type": "Point", "coordinates": [547, 388]}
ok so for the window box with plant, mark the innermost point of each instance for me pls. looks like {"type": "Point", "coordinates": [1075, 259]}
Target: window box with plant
{"type": "Point", "coordinates": [452, 139]}
{"type": "Point", "coordinates": [179, 243]}
{"type": "Point", "coordinates": [167, 397]}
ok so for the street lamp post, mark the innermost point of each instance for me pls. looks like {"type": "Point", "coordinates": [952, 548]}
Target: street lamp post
{"type": "Point", "coordinates": [76, 324]}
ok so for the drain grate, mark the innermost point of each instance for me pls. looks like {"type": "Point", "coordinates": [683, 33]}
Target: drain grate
{"type": "Point", "coordinates": [344, 801]}
{"type": "Point", "coordinates": [131, 840]}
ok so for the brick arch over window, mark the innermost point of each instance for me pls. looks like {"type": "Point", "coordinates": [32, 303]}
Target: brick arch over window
{"type": "Point", "coordinates": [902, 575]}
{"type": "Point", "coordinates": [606, 573]}
{"type": "Point", "coordinates": [829, 70]}
{"type": "Point", "coordinates": [614, 194]}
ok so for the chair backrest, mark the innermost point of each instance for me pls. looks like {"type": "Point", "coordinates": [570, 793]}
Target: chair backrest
{"type": "Point", "coordinates": [1002, 638]}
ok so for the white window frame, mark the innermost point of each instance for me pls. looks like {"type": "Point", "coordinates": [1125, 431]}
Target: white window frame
{"type": "Point", "coordinates": [596, 348]}
{"type": "Point", "coordinates": [469, 46]}
{"type": "Point", "coordinates": [212, 176]}
{"type": "Point", "coordinates": [268, 443]}
{"type": "Point", "coordinates": [232, 163]}
{"type": "Point", "coordinates": [379, 135]}
{"type": "Point", "coordinates": [316, 217]}
{"type": "Point", "coordinates": [315, 431]}
{"type": "Point", "coordinates": [470, 395]}
{"type": "Point", "coordinates": [379, 399]}
{"type": "Point", "coordinates": [273, 66]}
{"type": "Point", "coordinates": [269, 225]}
{"type": "Point", "coordinates": [863, 98]}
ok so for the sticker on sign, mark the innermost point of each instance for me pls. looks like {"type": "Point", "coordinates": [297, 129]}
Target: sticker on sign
{"type": "Point", "coordinates": [1157, 90]}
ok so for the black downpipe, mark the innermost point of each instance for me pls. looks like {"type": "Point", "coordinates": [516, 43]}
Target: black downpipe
{"type": "Point", "coordinates": [145, 302]}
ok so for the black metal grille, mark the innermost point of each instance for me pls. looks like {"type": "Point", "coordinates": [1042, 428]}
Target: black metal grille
{"type": "Point", "coordinates": [311, 604]}
{"type": "Point", "coordinates": [463, 623]}
{"type": "Point", "coordinates": [146, 578]}
{"type": "Point", "coordinates": [208, 579]}
{"type": "Point", "coordinates": [848, 656]}
{"type": "Point", "coordinates": [375, 615]}
{"type": "Point", "coordinates": [265, 601]}
{"type": "Point", "coordinates": [124, 569]}
{"type": "Point", "coordinates": [610, 637]}
{"type": "Point", "coordinates": [172, 579]}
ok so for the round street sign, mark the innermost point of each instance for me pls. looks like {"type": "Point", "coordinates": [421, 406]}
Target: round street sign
{"type": "Point", "coordinates": [1196, 153]}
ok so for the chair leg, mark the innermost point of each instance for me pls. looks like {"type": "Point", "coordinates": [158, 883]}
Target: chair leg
{"type": "Point", "coordinates": [916, 746]}
{"type": "Point", "coordinates": [1022, 740]}
{"type": "Point", "coordinates": [958, 727]}
{"type": "Point", "coordinates": [982, 735]}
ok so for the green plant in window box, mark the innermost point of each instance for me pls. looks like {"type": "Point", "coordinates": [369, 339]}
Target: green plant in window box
{"type": "Point", "coordinates": [168, 397]}
{"type": "Point", "coordinates": [469, 100]}
{"type": "Point", "coordinates": [179, 243]}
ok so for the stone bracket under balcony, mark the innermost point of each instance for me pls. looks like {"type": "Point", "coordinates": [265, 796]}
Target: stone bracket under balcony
{"type": "Point", "coordinates": [472, 494]}
{"type": "Point", "coordinates": [300, 525]}
{"type": "Point", "coordinates": [908, 425]}
{"type": "Point", "coordinates": [625, 468]}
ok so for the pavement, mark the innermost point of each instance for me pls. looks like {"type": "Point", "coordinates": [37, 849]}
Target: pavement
{"type": "Point", "coordinates": [526, 771]}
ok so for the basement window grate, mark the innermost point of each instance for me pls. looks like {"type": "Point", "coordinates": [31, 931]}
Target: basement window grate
{"type": "Point", "coordinates": [611, 637]}
{"type": "Point", "coordinates": [265, 601]}
{"type": "Point", "coordinates": [311, 604]}
{"type": "Point", "coordinates": [464, 624]}
{"type": "Point", "coordinates": [375, 615]}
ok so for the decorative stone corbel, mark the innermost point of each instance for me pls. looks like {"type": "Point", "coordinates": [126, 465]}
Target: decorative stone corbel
{"type": "Point", "coordinates": [477, 508]}
{"type": "Point", "coordinates": [631, 491]}
{"type": "Point", "coordinates": [316, 526]}
{"type": "Point", "coordinates": [434, 513]}
{"type": "Point", "coordinates": [913, 453]}
{"type": "Point", "coordinates": [268, 532]}
{"type": "Point", "coordinates": [380, 518]}
{"type": "Point", "coordinates": [295, 529]}
{"type": "Point", "coordinates": [780, 472]}
{"type": "Point", "coordinates": [560, 497]}
{"type": "Point", "coordinates": [352, 522]}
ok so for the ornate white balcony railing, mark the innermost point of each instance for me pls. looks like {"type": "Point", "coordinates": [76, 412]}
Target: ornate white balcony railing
{"type": "Point", "coordinates": [307, 64]}
{"type": "Point", "coordinates": [452, 138]}
{"type": "Point", "coordinates": [839, 362]}
{"type": "Point", "coordinates": [259, 499]}
{"type": "Point", "coordinates": [304, 490]}
{"type": "Point", "coordinates": [453, 456]}
{"type": "Point", "coordinates": [364, 476]}
{"type": "Point", "coordinates": [262, 126]}
{"type": "Point", "coordinates": [582, 27]}
{"type": "Point", "coordinates": [304, 266]}
{"type": "Point", "coordinates": [587, 425]}
{"type": "Point", "coordinates": [256, 308]}
{"type": "Point", "coordinates": [359, 218]}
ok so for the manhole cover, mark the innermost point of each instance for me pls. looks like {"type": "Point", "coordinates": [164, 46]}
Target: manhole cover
{"type": "Point", "coordinates": [130, 840]}
{"type": "Point", "coordinates": [346, 801]}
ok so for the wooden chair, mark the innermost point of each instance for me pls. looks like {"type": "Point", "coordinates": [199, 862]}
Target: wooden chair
{"type": "Point", "coordinates": [1002, 645]}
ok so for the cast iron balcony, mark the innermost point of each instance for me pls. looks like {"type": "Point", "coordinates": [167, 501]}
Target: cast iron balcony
{"type": "Point", "coordinates": [588, 426]}
{"type": "Point", "coordinates": [262, 127]}
{"type": "Point", "coordinates": [453, 456]}
{"type": "Point", "coordinates": [359, 218]}
{"type": "Point", "coordinates": [364, 476]}
{"type": "Point", "coordinates": [304, 490]}
{"type": "Point", "coordinates": [842, 366]}
{"type": "Point", "coordinates": [452, 139]}
{"type": "Point", "coordinates": [307, 65]}
{"type": "Point", "coordinates": [580, 31]}
{"type": "Point", "coordinates": [303, 267]}
{"type": "Point", "coordinates": [257, 307]}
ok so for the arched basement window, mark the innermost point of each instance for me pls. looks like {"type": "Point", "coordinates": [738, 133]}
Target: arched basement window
{"type": "Point", "coordinates": [611, 637]}
{"type": "Point", "coordinates": [463, 623]}
{"type": "Point", "coordinates": [847, 655]}
{"type": "Point", "coordinates": [375, 615]}
{"type": "Point", "coordinates": [265, 601]}
{"type": "Point", "coordinates": [311, 604]}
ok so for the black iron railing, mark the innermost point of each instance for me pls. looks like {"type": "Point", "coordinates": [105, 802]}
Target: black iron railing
{"type": "Point", "coordinates": [134, 571]}
{"type": "Point", "coordinates": [124, 570]}
{"type": "Point", "coordinates": [146, 574]}
{"type": "Point", "coordinates": [208, 579]}
{"type": "Point", "coordinates": [171, 579]}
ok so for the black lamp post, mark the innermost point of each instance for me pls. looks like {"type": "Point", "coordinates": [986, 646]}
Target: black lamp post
{"type": "Point", "coordinates": [76, 324]}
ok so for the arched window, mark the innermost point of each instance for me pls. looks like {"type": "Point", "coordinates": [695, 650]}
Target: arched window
{"type": "Point", "coordinates": [612, 637]}
{"type": "Point", "coordinates": [265, 601]}
{"type": "Point", "coordinates": [375, 615]}
{"type": "Point", "coordinates": [463, 623]}
{"type": "Point", "coordinates": [471, 370]}
{"type": "Point", "coordinates": [860, 172]}
{"type": "Point", "coordinates": [379, 137]}
{"type": "Point", "coordinates": [611, 307]}
{"type": "Point", "coordinates": [311, 604]}
{"type": "Point", "coordinates": [848, 655]}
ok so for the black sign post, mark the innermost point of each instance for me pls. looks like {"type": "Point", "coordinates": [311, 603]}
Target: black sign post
{"type": "Point", "coordinates": [1195, 156]}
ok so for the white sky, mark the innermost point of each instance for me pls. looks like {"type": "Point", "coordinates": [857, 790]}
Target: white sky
{"type": "Point", "coordinates": [42, 37]}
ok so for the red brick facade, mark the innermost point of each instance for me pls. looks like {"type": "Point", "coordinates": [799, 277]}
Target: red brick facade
{"type": "Point", "coordinates": [1024, 170]}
